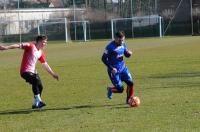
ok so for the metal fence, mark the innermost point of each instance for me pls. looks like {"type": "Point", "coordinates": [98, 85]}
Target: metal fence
{"type": "Point", "coordinates": [56, 29]}
{"type": "Point", "coordinates": [180, 17]}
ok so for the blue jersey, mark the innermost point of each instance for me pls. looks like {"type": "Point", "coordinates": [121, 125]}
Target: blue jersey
{"type": "Point", "coordinates": [114, 56]}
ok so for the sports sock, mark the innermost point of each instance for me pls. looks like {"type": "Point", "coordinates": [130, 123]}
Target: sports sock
{"type": "Point", "coordinates": [130, 91]}
{"type": "Point", "coordinates": [114, 90]}
{"type": "Point", "coordinates": [38, 98]}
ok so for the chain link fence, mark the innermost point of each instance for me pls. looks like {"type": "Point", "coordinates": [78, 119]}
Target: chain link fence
{"type": "Point", "coordinates": [179, 17]}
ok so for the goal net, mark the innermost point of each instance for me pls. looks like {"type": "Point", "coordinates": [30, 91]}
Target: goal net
{"type": "Point", "coordinates": [57, 29]}
{"type": "Point", "coordinates": [61, 29]}
{"type": "Point", "coordinates": [146, 26]}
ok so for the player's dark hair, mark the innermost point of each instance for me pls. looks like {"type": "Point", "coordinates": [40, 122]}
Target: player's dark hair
{"type": "Point", "coordinates": [119, 34]}
{"type": "Point", "coordinates": [40, 38]}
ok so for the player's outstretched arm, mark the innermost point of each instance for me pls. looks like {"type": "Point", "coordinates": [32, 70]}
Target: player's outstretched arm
{"type": "Point", "coordinates": [2, 47]}
{"type": "Point", "coordinates": [49, 70]}
{"type": "Point", "coordinates": [13, 46]}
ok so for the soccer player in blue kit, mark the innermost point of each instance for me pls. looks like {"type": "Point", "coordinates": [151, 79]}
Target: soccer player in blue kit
{"type": "Point", "coordinates": [117, 70]}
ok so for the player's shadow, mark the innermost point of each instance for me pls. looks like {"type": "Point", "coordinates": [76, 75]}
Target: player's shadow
{"type": "Point", "coordinates": [28, 111]}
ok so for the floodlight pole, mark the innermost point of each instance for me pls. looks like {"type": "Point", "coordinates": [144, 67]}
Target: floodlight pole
{"type": "Point", "coordinates": [131, 8]}
{"type": "Point", "coordinates": [5, 8]}
{"type": "Point", "coordinates": [20, 36]}
{"type": "Point", "coordinates": [4, 5]}
{"type": "Point", "coordinates": [74, 6]}
{"type": "Point", "coordinates": [156, 7]}
{"type": "Point", "coordinates": [191, 13]}
{"type": "Point", "coordinates": [18, 4]}
{"type": "Point", "coordinates": [132, 24]}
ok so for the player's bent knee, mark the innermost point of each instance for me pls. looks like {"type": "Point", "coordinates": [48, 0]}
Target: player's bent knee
{"type": "Point", "coordinates": [129, 83]}
{"type": "Point", "coordinates": [119, 87]}
{"type": "Point", "coordinates": [120, 90]}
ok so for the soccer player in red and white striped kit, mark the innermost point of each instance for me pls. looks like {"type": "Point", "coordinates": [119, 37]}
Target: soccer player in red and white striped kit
{"type": "Point", "coordinates": [33, 51]}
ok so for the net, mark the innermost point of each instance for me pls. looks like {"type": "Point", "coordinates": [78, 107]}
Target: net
{"type": "Point", "coordinates": [147, 26]}
{"type": "Point", "coordinates": [56, 29]}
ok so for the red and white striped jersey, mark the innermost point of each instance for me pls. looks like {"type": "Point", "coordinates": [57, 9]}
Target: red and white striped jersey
{"type": "Point", "coordinates": [30, 57]}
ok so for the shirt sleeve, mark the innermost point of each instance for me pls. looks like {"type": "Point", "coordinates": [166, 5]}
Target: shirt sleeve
{"type": "Point", "coordinates": [126, 53]}
{"type": "Point", "coordinates": [105, 58]}
{"type": "Point", "coordinates": [125, 48]}
{"type": "Point", "coordinates": [42, 59]}
{"type": "Point", "coordinates": [24, 45]}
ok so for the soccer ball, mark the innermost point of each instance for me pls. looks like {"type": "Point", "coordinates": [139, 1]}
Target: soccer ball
{"type": "Point", "coordinates": [134, 101]}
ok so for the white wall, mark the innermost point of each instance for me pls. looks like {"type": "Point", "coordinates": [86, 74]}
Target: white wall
{"type": "Point", "coordinates": [9, 18]}
{"type": "Point", "coordinates": [13, 27]}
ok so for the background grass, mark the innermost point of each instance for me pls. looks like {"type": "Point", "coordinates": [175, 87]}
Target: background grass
{"type": "Point", "coordinates": [167, 79]}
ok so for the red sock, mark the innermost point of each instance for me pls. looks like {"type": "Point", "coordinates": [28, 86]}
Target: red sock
{"type": "Point", "coordinates": [130, 91]}
{"type": "Point", "coordinates": [114, 90]}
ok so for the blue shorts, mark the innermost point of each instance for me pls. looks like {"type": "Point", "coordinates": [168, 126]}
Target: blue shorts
{"type": "Point", "coordinates": [118, 78]}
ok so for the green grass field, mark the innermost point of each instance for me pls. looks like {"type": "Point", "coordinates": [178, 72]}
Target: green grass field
{"type": "Point", "coordinates": [167, 79]}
